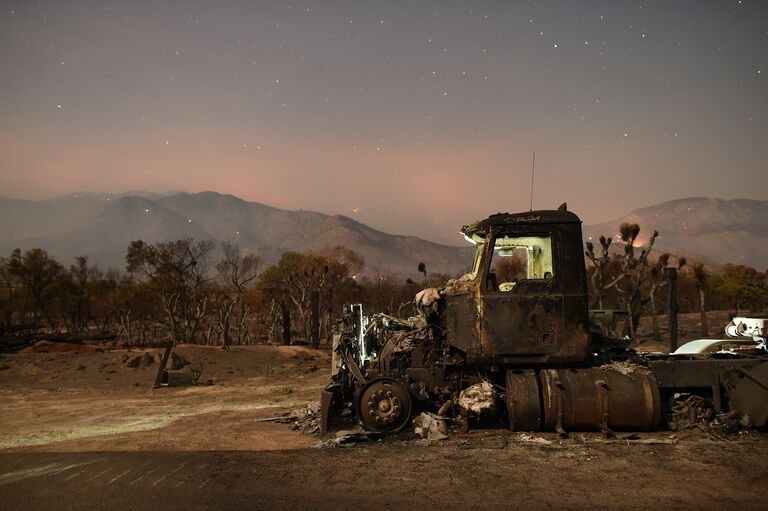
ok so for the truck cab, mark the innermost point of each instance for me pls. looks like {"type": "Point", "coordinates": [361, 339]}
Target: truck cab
{"type": "Point", "coordinates": [525, 300]}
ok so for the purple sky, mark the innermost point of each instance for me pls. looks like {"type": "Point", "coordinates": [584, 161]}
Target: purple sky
{"type": "Point", "coordinates": [422, 110]}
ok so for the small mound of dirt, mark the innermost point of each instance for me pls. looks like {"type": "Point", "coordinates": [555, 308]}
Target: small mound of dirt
{"type": "Point", "coordinates": [58, 347]}
{"type": "Point", "coordinates": [142, 360]}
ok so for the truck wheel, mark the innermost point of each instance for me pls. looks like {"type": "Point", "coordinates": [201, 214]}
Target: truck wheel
{"type": "Point", "coordinates": [384, 404]}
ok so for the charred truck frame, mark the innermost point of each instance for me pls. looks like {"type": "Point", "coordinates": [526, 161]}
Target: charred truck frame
{"type": "Point", "coordinates": [520, 335]}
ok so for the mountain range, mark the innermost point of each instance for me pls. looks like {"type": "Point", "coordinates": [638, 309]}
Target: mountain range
{"type": "Point", "coordinates": [711, 230]}
{"type": "Point", "coordinates": [101, 225]}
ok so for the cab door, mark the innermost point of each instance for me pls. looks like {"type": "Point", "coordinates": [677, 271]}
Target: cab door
{"type": "Point", "coordinates": [524, 314]}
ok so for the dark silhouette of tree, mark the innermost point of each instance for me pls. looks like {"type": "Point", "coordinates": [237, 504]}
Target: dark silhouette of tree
{"type": "Point", "coordinates": [601, 281]}
{"type": "Point", "coordinates": [177, 271]}
{"type": "Point", "coordinates": [310, 284]}
{"type": "Point", "coordinates": [743, 286]}
{"type": "Point", "coordinates": [237, 272]}
{"type": "Point", "coordinates": [78, 290]}
{"type": "Point", "coordinates": [39, 274]}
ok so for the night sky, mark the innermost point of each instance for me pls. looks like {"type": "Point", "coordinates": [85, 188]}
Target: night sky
{"type": "Point", "coordinates": [428, 110]}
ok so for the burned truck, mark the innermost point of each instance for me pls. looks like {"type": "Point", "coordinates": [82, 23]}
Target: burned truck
{"type": "Point", "coordinates": [512, 340]}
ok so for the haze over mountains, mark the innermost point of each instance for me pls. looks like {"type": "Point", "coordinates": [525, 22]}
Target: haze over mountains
{"type": "Point", "coordinates": [724, 231]}
{"type": "Point", "coordinates": [102, 226]}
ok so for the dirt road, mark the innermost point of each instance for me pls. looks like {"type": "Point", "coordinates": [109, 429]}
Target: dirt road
{"type": "Point", "coordinates": [482, 474]}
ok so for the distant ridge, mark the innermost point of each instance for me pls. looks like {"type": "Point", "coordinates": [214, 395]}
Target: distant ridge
{"type": "Point", "coordinates": [713, 231]}
{"type": "Point", "coordinates": [723, 231]}
{"type": "Point", "coordinates": [102, 226]}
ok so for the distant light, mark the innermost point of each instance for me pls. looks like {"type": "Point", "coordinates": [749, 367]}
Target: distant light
{"type": "Point", "coordinates": [189, 220]}
{"type": "Point", "coordinates": [146, 211]}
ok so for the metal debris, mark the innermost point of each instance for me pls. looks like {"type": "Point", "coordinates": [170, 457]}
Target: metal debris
{"type": "Point", "coordinates": [350, 437]}
{"type": "Point", "coordinates": [306, 420]}
{"type": "Point", "coordinates": [695, 414]}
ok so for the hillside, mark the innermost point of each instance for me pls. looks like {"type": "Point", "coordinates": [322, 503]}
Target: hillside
{"type": "Point", "coordinates": [713, 231]}
{"type": "Point", "coordinates": [102, 226]}
{"type": "Point", "coordinates": [723, 231]}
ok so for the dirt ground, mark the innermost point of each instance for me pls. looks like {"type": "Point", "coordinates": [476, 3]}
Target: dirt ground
{"type": "Point", "coordinates": [88, 402]}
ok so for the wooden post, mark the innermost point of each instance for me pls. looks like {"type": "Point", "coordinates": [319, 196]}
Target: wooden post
{"type": "Point", "coordinates": [315, 333]}
{"type": "Point", "coordinates": [163, 364]}
{"type": "Point", "coordinates": [671, 275]}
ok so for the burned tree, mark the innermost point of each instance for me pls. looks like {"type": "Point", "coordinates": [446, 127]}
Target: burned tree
{"type": "Point", "coordinates": [630, 277]}
{"type": "Point", "coordinates": [177, 271]}
{"type": "Point", "coordinates": [38, 273]}
{"type": "Point", "coordinates": [308, 285]}
{"type": "Point", "coordinates": [600, 274]}
{"type": "Point", "coordinates": [236, 272]}
{"type": "Point", "coordinates": [9, 282]}
{"type": "Point", "coordinates": [78, 293]}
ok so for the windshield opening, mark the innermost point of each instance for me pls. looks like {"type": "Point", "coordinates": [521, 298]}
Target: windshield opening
{"type": "Point", "coordinates": [515, 258]}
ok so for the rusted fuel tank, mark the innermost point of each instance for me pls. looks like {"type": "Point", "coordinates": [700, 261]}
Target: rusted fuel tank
{"type": "Point", "coordinates": [607, 398]}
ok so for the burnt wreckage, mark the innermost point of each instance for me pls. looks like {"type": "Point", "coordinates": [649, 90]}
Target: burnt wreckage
{"type": "Point", "coordinates": [515, 341]}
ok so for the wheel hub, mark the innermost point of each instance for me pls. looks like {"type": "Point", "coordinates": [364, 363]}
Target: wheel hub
{"type": "Point", "coordinates": [384, 404]}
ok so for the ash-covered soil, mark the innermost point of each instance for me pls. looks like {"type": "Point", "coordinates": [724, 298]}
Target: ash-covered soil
{"type": "Point", "coordinates": [209, 445]}
{"type": "Point", "coordinates": [57, 399]}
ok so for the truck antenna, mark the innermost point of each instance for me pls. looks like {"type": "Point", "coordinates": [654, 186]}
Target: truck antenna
{"type": "Point", "coordinates": [533, 175]}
